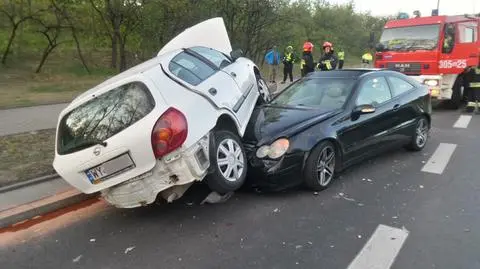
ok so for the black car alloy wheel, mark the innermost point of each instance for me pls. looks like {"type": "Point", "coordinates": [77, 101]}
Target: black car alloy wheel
{"type": "Point", "coordinates": [320, 167]}
{"type": "Point", "coordinates": [420, 137]}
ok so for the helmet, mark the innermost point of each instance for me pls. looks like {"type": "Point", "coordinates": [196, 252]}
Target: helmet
{"type": "Point", "coordinates": [307, 46]}
{"type": "Point", "coordinates": [327, 44]}
{"type": "Point", "coordinates": [289, 48]}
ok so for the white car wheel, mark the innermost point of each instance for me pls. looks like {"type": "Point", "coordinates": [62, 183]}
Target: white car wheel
{"type": "Point", "coordinates": [263, 90]}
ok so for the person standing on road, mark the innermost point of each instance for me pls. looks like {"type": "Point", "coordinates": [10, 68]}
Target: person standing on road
{"type": "Point", "coordinates": [288, 60]}
{"type": "Point", "coordinates": [367, 58]}
{"type": "Point", "coordinates": [307, 65]}
{"type": "Point", "coordinates": [473, 88]}
{"type": "Point", "coordinates": [329, 60]}
{"type": "Point", "coordinates": [341, 58]}
{"type": "Point", "coordinates": [272, 57]}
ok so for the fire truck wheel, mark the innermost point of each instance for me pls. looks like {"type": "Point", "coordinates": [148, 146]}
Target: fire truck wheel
{"type": "Point", "coordinates": [456, 100]}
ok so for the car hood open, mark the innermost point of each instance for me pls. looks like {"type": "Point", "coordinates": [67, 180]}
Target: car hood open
{"type": "Point", "coordinates": [271, 122]}
{"type": "Point", "coordinates": [210, 33]}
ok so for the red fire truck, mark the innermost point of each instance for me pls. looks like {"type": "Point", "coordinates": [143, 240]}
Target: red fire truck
{"type": "Point", "coordinates": [435, 50]}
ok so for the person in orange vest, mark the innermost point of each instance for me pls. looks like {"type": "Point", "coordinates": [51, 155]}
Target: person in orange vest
{"type": "Point", "coordinates": [307, 65]}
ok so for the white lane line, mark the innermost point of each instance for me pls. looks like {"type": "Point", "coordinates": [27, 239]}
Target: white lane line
{"type": "Point", "coordinates": [439, 160]}
{"type": "Point", "coordinates": [462, 121]}
{"type": "Point", "coordinates": [381, 249]}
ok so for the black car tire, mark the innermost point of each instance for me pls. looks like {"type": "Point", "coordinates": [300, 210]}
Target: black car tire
{"type": "Point", "coordinates": [456, 101]}
{"type": "Point", "coordinates": [420, 135]}
{"type": "Point", "coordinates": [264, 92]}
{"type": "Point", "coordinates": [320, 158]}
{"type": "Point", "coordinates": [216, 180]}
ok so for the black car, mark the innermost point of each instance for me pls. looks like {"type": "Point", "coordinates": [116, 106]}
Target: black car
{"type": "Point", "coordinates": [327, 121]}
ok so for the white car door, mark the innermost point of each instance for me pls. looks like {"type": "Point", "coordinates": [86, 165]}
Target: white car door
{"type": "Point", "coordinates": [203, 77]}
{"type": "Point", "coordinates": [241, 71]}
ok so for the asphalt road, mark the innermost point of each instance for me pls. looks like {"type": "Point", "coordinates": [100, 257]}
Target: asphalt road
{"type": "Point", "coordinates": [384, 212]}
{"type": "Point", "coordinates": [26, 119]}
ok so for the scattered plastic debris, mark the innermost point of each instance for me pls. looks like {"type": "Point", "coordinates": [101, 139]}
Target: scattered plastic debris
{"type": "Point", "coordinates": [315, 193]}
{"type": "Point", "coordinates": [216, 198]}
{"type": "Point", "coordinates": [310, 243]}
{"type": "Point", "coordinates": [395, 217]}
{"type": "Point", "coordinates": [360, 204]}
{"type": "Point", "coordinates": [189, 203]}
{"type": "Point", "coordinates": [93, 240]}
{"type": "Point", "coordinates": [179, 259]}
{"type": "Point", "coordinates": [421, 186]}
{"type": "Point", "coordinates": [276, 210]}
{"type": "Point", "coordinates": [332, 246]}
{"type": "Point", "coordinates": [359, 236]}
{"type": "Point", "coordinates": [297, 263]}
{"type": "Point", "coordinates": [77, 259]}
{"type": "Point", "coordinates": [423, 162]}
{"type": "Point", "coordinates": [129, 249]}
{"type": "Point", "coordinates": [283, 243]}
{"type": "Point", "coordinates": [369, 180]}
{"type": "Point", "coordinates": [298, 246]}
{"type": "Point", "coordinates": [466, 230]}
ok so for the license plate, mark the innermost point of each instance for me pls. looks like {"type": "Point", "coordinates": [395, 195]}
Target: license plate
{"type": "Point", "coordinates": [110, 168]}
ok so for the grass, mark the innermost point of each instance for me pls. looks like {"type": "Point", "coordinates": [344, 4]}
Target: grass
{"type": "Point", "coordinates": [60, 81]}
{"type": "Point", "coordinates": [26, 156]}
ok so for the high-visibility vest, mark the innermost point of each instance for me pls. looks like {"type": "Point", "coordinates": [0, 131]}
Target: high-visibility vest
{"type": "Point", "coordinates": [367, 57]}
{"type": "Point", "coordinates": [476, 79]}
{"type": "Point", "coordinates": [341, 55]}
{"type": "Point", "coordinates": [289, 57]}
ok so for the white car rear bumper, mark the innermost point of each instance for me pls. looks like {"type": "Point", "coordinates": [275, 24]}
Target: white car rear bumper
{"type": "Point", "coordinates": [171, 176]}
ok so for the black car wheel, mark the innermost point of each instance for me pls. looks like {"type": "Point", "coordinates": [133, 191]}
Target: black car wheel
{"type": "Point", "coordinates": [320, 166]}
{"type": "Point", "coordinates": [264, 91]}
{"type": "Point", "coordinates": [420, 137]}
{"type": "Point", "coordinates": [228, 161]}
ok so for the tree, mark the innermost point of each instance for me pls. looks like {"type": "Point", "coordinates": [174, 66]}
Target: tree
{"type": "Point", "coordinates": [17, 12]}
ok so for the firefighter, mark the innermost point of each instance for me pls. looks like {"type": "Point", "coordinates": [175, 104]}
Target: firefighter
{"type": "Point", "coordinates": [329, 60]}
{"type": "Point", "coordinates": [367, 58]}
{"type": "Point", "coordinates": [341, 58]}
{"type": "Point", "coordinates": [307, 65]}
{"type": "Point", "coordinates": [473, 89]}
{"type": "Point", "coordinates": [288, 60]}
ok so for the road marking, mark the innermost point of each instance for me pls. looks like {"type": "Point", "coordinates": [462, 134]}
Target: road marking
{"type": "Point", "coordinates": [462, 121]}
{"type": "Point", "coordinates": [381, 249]}
{"type": "Point", "coordinates": [439, 159]}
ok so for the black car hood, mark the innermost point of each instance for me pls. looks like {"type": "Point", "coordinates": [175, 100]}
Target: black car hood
{"type": "Point", "coordinates": [270, 122]}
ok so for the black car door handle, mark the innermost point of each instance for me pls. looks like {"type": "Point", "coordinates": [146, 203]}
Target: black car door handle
{"type": "Point", "coordinates": [212, 91]}
{"type": "Point", "coordinates": [233, 74]}
{"type": "Point", "coordinates": [396, 107]}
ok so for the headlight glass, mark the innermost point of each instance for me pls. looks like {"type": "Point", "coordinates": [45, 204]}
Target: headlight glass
{"type": "Point", "coordinates": [431, 82]}
{"type": "Point", "coordinates": [262, 152]}
{"type": "Point", "coordinates": [278, 148]}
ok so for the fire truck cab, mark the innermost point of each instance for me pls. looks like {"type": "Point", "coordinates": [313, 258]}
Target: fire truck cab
{"type": "Point", "coordinates": [437, 51]}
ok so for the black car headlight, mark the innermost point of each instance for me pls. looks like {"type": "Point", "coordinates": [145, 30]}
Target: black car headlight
{"type": "Point", "coordinates": [274, 151]}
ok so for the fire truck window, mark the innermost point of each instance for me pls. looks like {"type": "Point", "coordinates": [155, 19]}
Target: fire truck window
{"type": "Point", "coordinates": [467, 35]}
{"type": "Point", "coordinates": [449, 39]}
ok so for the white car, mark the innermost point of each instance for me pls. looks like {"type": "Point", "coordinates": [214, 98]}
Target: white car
{"type": "Point", "coordinates": [164, 124]}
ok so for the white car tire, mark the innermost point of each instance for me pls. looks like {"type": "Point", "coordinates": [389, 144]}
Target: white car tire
{"type": "Point", "coordinates": [228, 161]}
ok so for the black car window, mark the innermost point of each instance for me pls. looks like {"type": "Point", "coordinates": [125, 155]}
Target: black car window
{"type": "Point", "coordinates": [216, 57]}
{"type": "Point", "coordinates": [190, 69]}
{"type": "Point", "coordinates": [399, 86]}
{"type": "Point", "coordinates": [374, 91]}
{"type": "Point", "coordinates": [103, 116]}
{"type": "Point", "coordinates": [323, 93]}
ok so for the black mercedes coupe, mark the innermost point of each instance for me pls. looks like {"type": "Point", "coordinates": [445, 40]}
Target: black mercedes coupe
{"type": "Point", "coordinates": [327, 121]}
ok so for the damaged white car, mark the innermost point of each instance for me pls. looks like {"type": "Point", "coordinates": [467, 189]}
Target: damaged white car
{"type": "Point", "coordinates": [155, 129]}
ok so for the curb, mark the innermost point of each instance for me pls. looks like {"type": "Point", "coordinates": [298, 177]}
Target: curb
{"type": "Point", "coordinates": [42, 206]}
{"type": "Point", "coordinates": [28, 183]}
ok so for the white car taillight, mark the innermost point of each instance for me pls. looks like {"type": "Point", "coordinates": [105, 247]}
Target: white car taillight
{"type": "Point", "coordinates": [169, 132]}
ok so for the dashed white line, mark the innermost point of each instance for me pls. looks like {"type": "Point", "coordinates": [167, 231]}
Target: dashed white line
{"type": "Point", "coordinates": [381, 249]}
{"type": "Point", "coordinates": [462, 121]}
{"type": "Point", "coordinates": [439, 159]}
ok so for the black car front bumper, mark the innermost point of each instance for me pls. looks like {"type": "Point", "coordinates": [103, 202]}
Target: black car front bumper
{"type": "Point", "coordinates": [275, 175]}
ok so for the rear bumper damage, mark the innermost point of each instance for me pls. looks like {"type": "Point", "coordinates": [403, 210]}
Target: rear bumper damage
{"type": "Point", "coordinates": [171, 177]}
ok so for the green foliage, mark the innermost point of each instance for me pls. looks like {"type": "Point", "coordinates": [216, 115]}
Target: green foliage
{"type": "Point", "coordinates": [135, 30]}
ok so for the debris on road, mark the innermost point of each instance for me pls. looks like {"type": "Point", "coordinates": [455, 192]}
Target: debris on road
{"type": "Point", "coordinates": [343, 196]}
{"type": "Point", "coordinates": [216, 198]}
{"type": "Point", "coordinates": [359, 236]}
{"type": "Point", "coordinates": [421, 186]}
{"type": "Point", "coordinates": [298, 246]}
{"type": "Point", "coordinates": [276, 210]}
{"type": "Point", "coordinates": [127, 250]}
{"type": "Point", "coordinates": [93, 240]}
{"type": "Point", "coordinates": [77, 259]}
{"type": "Point", "coordinates": [310, 243]}
{"type": "Point", "coordinates": [466, 230]}
{"type": "Point", "coordinates": [315, 193]}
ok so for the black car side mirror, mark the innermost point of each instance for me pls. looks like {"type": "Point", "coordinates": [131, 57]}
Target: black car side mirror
{"type": "Point", "coordinates": [362, 109]}
{"type": "Point", "coordinates": [235, 54]}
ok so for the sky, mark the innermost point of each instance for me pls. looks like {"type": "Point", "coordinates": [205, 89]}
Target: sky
{"type": "Point", "coordinates": [392, 7]}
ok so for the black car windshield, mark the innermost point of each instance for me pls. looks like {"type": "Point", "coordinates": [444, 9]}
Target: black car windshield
{"type": "Point", "coordinates": [422, 37]}
{"type": "Point", "coordinates": [319, 93]}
